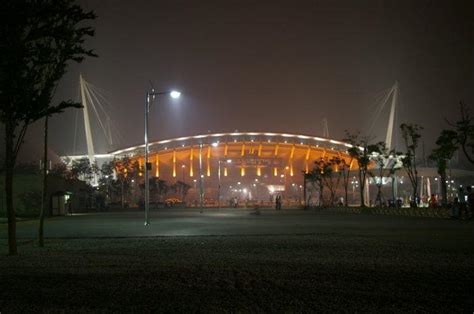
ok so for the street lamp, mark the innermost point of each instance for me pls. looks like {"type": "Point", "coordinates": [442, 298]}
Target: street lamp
{"type": "Point", "coordinates": [183, 168]}
{"type": "Point", "coordinates": [152, 94]}
{"type": "Point", "coordinates": [219, 179]}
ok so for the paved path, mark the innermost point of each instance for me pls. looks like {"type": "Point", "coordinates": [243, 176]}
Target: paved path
{"type": "Point", "coordinates": [189, 222]}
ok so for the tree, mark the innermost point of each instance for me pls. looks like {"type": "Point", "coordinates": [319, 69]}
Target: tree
{"type": "Point", "coordinates": [60, 170]}
{"type": "Point", "coordinates": [446, 147]}
{"type": "Point", "coordinates": [83, 170]}
{"type": "Point", "coordinates": [315, 178]}
{"type": "Point", "coordinates": [181, 188]}
{"type": "Point", "coordinates": [125, 170]}
{"type": "Point", "coordinates": [159, 188]}
{"type": "Point", "coordinates": [331, 177]}
{"type": "Point", "coordinates": [360, 151]}
{"type": "Point", "coordinates": [380, 156]}
{"type": "Point", "coordinates": [411, 136]}
{"type": "Point", "coordinates": [39, 39]}
{"type": "Point", "coordinates": [464, 129]}
{"type": "Point", "coordinates": [345, 170]}
{"type": "Point", "coordinates": [106, 179]}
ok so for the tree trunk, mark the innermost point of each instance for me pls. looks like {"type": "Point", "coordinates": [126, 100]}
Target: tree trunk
{"type": "Point", "coordinates": [346, 186]}
{"type": "Point", "coordinates": [415, 192]}
{"type": "Point", "coordinates": [121, 195]}
{"type": "Point", "coordinates": [44, 199]}
{"type": "Point", "coordinates": [444, 192]}
{"type": "Point", "coordinates": [9, 164]}
{"type": "Point", "coordinates": [379, 195]}
{"type": "Point", "coordinates": [304, 192]}
{"type": "Point", "coordinates": [361, 190]}
{"type": "Point", "coordinates": [321, 198]}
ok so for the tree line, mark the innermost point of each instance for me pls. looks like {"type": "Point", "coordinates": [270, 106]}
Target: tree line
{"type": "Point", "coordinates": [376, 161]}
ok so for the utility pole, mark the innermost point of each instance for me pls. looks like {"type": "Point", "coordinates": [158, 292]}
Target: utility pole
{"type": "Point", "coordinates": [44, 198]}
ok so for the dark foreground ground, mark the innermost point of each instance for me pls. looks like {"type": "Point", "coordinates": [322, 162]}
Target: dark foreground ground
{"type": "Point", "coordinates": [348, 263]}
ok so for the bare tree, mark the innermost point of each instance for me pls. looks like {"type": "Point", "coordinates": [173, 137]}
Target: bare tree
{"type": "Point", "coordinates": [360, 151]}
{"type": "Point", "coordinates": [380, 156]}
{"type": "Point", "coordinates": [464, 129]}
{"type": "Point", "coordinates": [411, 136]}
{"type": "Point", "coordinates": [332, 177]}
{"type": "Point", "coordinates": [446, 147]}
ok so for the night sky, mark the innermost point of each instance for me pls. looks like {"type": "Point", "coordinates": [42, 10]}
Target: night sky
{"type": "Point", "coordinates": [278, 66]}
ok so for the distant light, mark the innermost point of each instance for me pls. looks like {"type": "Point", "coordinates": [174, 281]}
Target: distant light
{"type": "Point", "coordinates": [244, 190]}
{"type": "Point", "coordinates": [175, 94]}
{"type": "Point", "coordinates": [238, 183]}
{"type": "Point", "coordinates": [229, 161]}
{"type": "Point", "coordinates": [215, 144]}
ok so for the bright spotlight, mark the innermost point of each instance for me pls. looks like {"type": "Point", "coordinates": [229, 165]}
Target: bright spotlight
{"type": "Point", "coordinates": [175, 94]}
{"type": "Point", "coordinates": [215, 144]}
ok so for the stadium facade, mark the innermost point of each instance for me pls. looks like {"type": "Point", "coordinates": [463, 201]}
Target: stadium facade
{"type": "Point", "coordinates": [247, 166]}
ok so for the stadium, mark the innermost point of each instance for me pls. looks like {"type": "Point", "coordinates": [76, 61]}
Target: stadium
{"type": "Point", "coordinates": [223, 168]}
{"type": "Point", "coordinates": [242, 167]}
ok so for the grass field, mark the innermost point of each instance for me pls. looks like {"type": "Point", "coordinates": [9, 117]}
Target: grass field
{"type": "Point", "coordinates": [381, 269]}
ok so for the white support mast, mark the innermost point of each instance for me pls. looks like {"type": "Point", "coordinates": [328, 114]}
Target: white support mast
{"type": "Point", "coordinates": [87, 124]}
{"type": "Point", "coordinates": [391, 119]}
{"type": "Point", "coordinates": [325, 128]}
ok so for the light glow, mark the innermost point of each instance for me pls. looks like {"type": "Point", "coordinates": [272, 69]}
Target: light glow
{"type": "Point", "coordinates": [175, 94]}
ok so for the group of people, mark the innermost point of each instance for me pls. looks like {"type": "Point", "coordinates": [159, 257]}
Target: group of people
{"type": "Point", "coordinates": [463, 205]}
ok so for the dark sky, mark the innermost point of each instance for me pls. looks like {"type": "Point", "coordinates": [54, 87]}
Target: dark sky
{"type": "Point", "coordinates": [271, 66]}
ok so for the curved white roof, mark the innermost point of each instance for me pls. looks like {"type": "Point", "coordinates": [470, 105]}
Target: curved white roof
{"type": "Point", "coordinates": [237, 136]}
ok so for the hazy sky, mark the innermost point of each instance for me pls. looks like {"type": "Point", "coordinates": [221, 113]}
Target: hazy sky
{"type": "Point", "coordinates": [270, 66]}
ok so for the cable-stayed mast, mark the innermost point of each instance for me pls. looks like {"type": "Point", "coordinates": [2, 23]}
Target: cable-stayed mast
{"type": "Point", "coordinates": [87, 124]}
{"type": "Point", "coordinates": [325, 128]}
{"type": "Point", "coordinates": [391, 118]}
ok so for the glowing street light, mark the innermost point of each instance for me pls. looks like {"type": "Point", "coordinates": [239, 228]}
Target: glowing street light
{"type": "Point", "coordinates": [150, 96]}
{"type": "Point", "coordinates": [175, 94]}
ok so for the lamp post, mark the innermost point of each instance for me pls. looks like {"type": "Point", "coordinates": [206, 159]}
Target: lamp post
{"type": "Point", "coordinates": [149, 95]}
{"type": "Point", "coordinates": [219, 180]}
{"type": "Point", "coordinates": [183, 168]}
{"type": "Point", "coordinates": [286, 175]}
